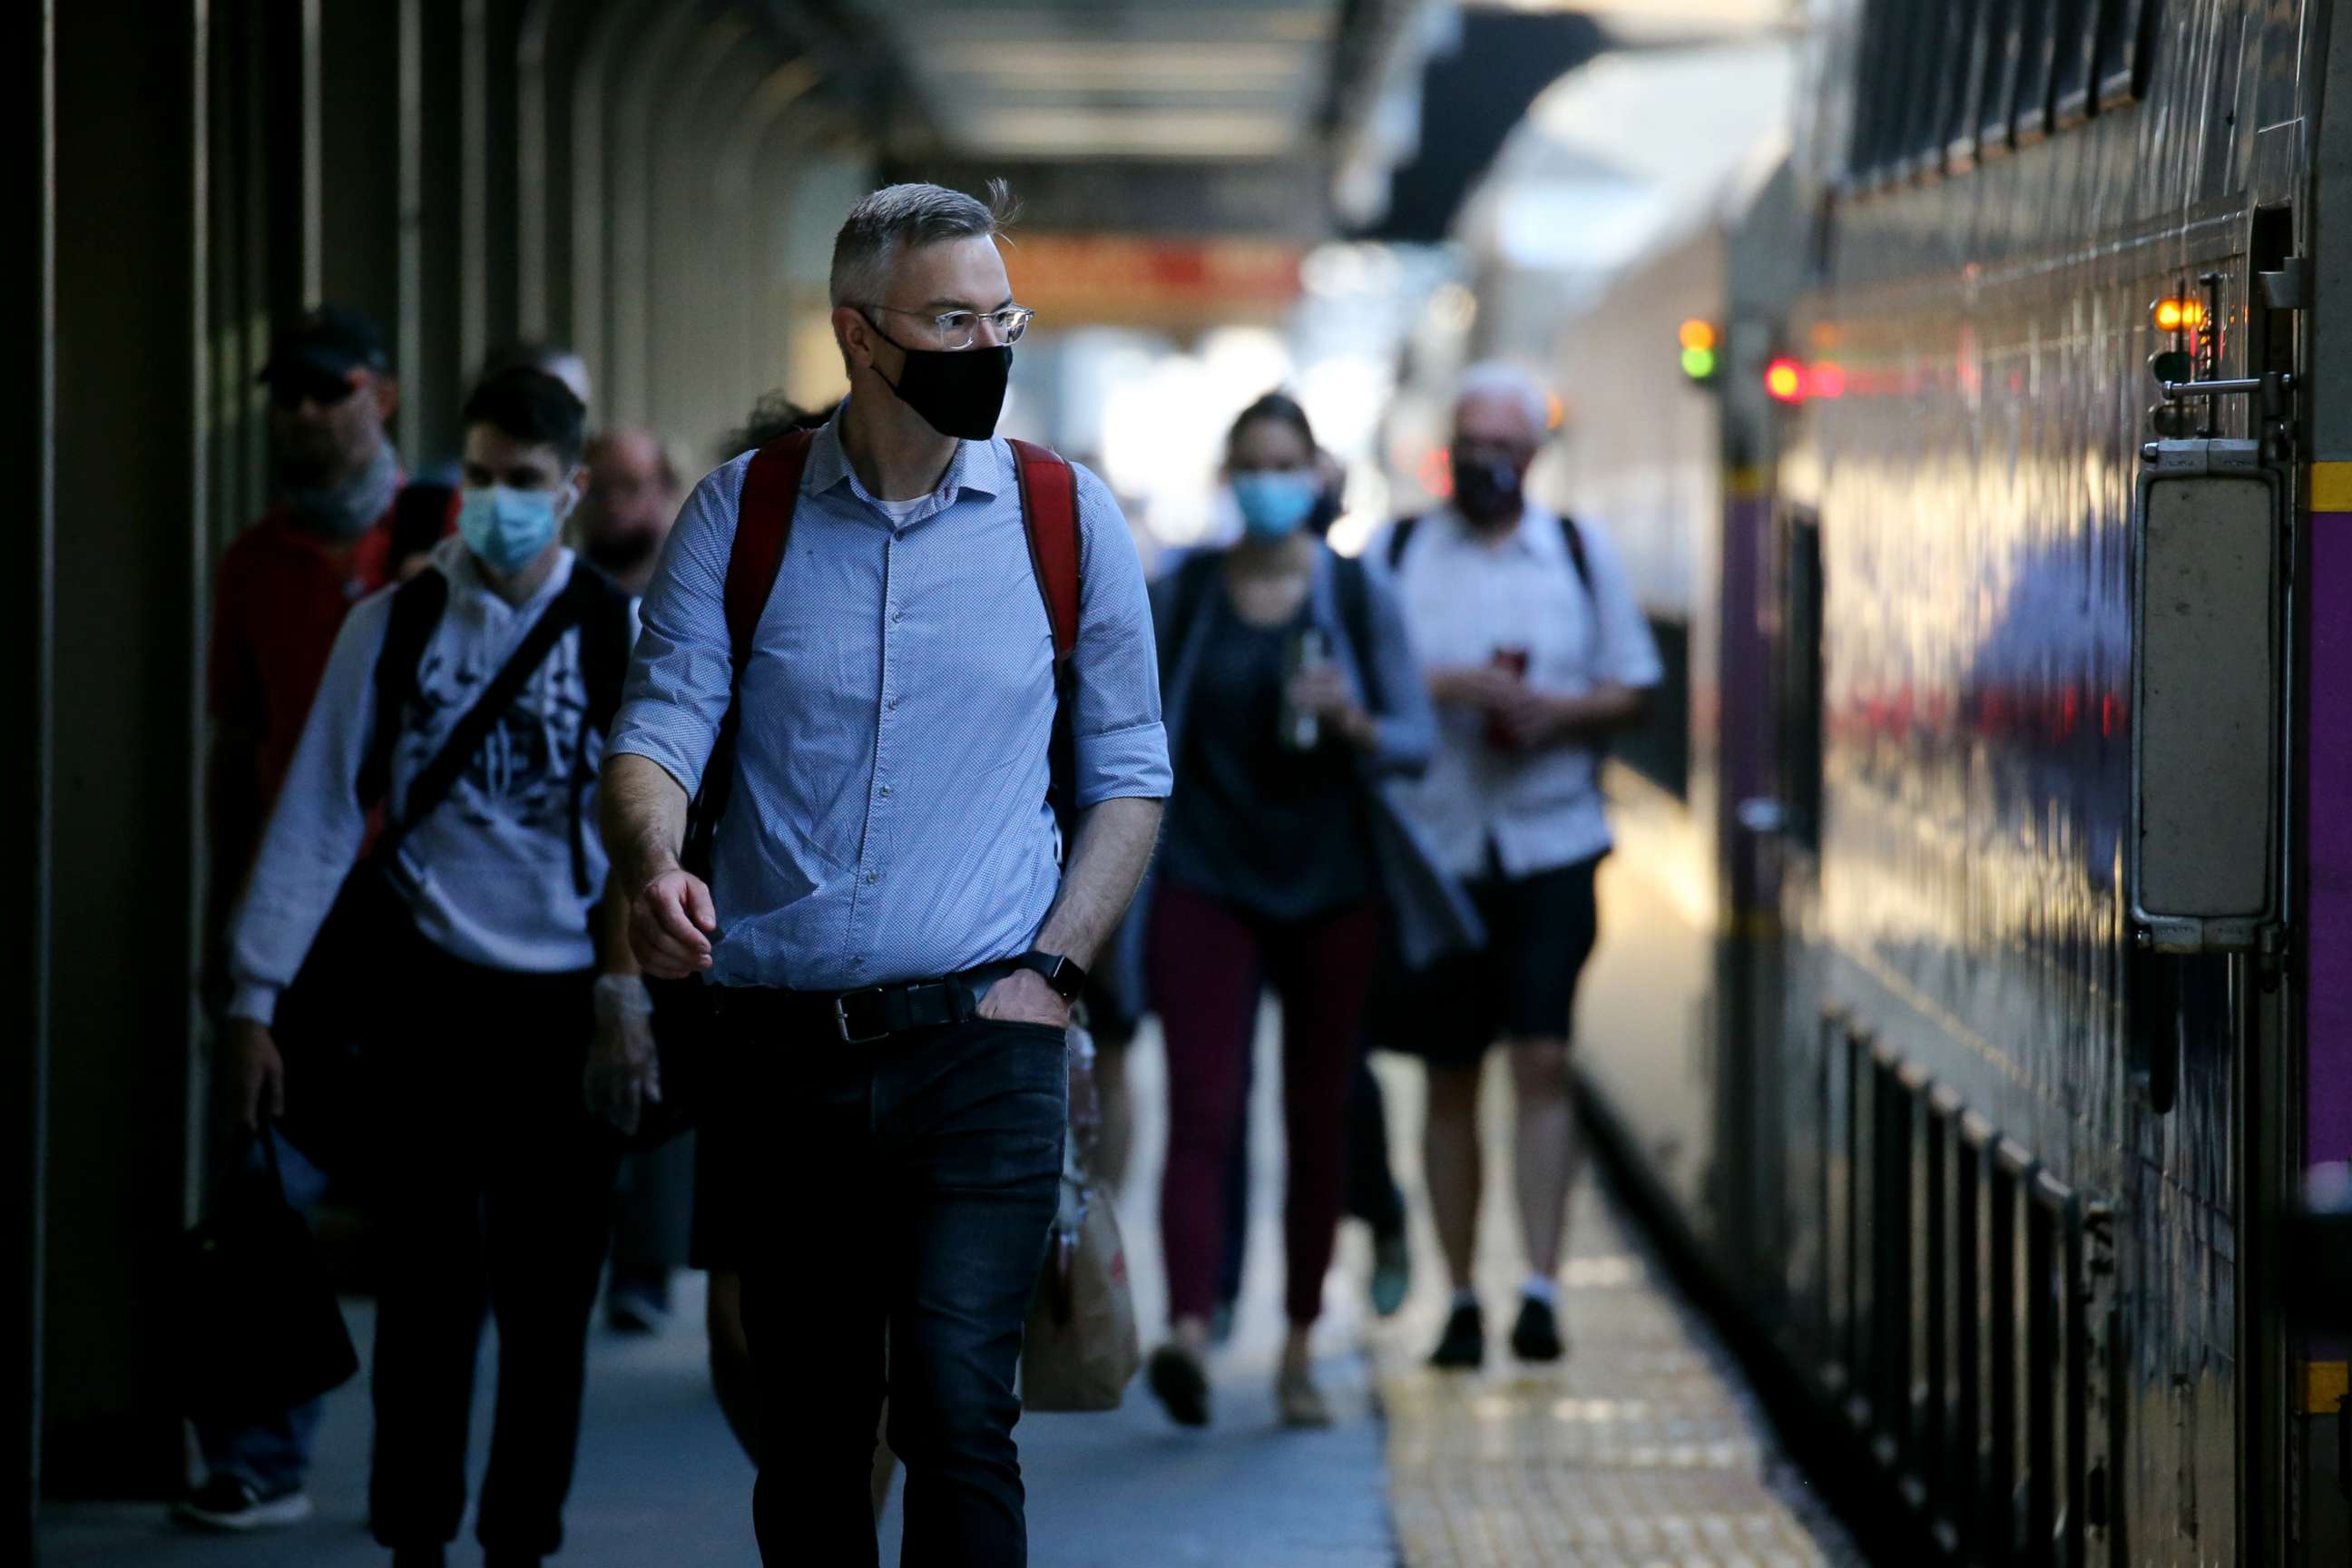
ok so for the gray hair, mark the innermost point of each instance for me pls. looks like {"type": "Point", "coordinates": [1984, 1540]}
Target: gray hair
{"type": "Point", "coordinates": [1501, 379]}
{"type": "Point", "coordinates": [901, 217]}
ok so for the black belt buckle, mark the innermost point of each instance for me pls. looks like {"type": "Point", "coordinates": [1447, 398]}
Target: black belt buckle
{"type": "Point", "coordinates": [841, 1005]}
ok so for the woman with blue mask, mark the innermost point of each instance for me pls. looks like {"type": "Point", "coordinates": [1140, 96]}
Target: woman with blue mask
{"type": "Point", "coordinates": [1289, 692]}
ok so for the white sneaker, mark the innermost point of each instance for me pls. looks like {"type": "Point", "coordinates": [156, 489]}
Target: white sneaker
{"type": "Point", "coordinates": [226, 1503]}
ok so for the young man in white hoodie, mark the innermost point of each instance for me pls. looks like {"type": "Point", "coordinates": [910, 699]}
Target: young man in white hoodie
{"type": "Point", "coordinates": [494, 1184]}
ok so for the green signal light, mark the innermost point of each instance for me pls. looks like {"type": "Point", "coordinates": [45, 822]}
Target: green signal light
{"type": "Point", "coordinates": [1698, 363]}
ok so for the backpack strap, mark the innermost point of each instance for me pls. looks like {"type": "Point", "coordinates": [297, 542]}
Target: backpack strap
{"type": "Point", "coordinates": [1049, 511]}
{"type": "Point", "coordinates": [1049, 515]}
{"type": "Point", "coordinates": [420, 519]}
{"type": "Point", "coordinates": [1574, 537]}
{"type": "Point", "coordinates": [1355, 596]}
{"type": "Point", "coordinates": [417, 608]}
{"type": "Point", "coordinates": [438, 777]}
{"type": "Point", "coordinates": [1196, 577]}
{"type": "Point", "coordinates": [1400, 536]}
{"type": "Point", "coordinates": [763, 527]}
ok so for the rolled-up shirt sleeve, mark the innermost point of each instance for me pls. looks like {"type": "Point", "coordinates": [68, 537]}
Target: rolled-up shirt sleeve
{"type": "Point", "coordinates": [1120, 748]}
{"type": "Point", "coordinates": [1624, 653]}
{"type": "Point", "coordinates": [682, 672]}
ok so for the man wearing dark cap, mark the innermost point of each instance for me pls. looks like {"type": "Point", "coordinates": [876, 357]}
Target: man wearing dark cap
{"type": "Point", "coordinates": [284, 589]}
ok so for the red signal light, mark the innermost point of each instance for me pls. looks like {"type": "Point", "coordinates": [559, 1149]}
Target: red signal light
{"type": "Point", "coordinates": [1826, 379]}
{"type": "Point", "coordinates": [1784, 381]}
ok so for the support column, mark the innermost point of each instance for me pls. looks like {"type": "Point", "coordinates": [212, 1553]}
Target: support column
{"type": "Point", "coordinates": [26, 459]}
{"type": "Point", "coordinates": [131, 434]}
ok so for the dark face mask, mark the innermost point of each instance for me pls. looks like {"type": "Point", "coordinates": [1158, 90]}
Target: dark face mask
{"type": "Point", "coordinates": [958, 392]}
{"type": "Point", "coordinates": [618, 554]}
{"type": "Point", "coordinates": [1485, 487]}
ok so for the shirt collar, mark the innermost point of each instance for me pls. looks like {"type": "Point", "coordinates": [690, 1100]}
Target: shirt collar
{"type": "Point", "coordinates": [982, 468]}
{"type": "Point", "coordinates": [1529, 538]}
{"type": "Point", "coordinates": [457, 563]}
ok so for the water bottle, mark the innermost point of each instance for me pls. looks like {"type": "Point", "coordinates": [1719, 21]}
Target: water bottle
{"type": "Point", "coordinates": [1302, 730]}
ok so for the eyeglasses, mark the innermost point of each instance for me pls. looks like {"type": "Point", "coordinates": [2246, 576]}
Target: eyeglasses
{"type": "Point", "coordinates": [293, 388]}
{"type": "Point", "coordinates": [961, 328]}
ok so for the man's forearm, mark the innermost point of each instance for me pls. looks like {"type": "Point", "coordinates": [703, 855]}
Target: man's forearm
{"type": "Point", "coordinates": [643, 813]}
{"type": "Point", "coordinates": [1601, 712]}
{"type": "Point", "coordinates": [1114, 844]}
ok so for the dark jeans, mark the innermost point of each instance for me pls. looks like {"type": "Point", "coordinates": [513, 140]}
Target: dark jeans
{"type": "Point", "coordinates": [906, 1185]}
{"type": "Point", "coordinates": [500, 1202]}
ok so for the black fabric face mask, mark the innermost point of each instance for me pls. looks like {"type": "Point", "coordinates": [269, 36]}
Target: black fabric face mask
{"type": "Point", "coordinates": [959, 391]}
{"type": "Point", "coordinates": [617, 554]}
{"type": "Point", "coordinates": [1486, 488]}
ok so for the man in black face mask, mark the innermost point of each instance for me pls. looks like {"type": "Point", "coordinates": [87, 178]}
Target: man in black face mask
{"type": "Point", "coordinates": [632, 501]}
{"type": "Point", "coordinates": [895, 924]}
{"type": "Point", "coordinates": [1534, 649]}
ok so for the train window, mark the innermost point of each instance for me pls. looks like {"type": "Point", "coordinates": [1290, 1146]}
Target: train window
{"type": "Point", "coordinates": [2071, 46]}
{"type": "Point", "coordinates": [2119, 53]}
{"type": "Point", "coordinates": [1962, 72]}
{"type": "Point", "coordinates": [2034, 37]}
{"type": "Point", "coordinates": [1659, 749]}
{"type": "Point", "coordinates": [1875, 99]}
{"type": "Point", "coordinates": [1923, 141]}
{"type": "Point", "coordinates": [1998, 100]}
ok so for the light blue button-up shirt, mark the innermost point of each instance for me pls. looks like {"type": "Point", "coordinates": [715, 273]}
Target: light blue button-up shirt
{"type": "Point", "coordinates": [888, 820]}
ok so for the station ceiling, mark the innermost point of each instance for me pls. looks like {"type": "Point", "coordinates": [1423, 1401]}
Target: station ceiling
{"type": "Point", "coordinates": [1231, 117]}
{"type": "Point", "coordinates": [1116, 79]}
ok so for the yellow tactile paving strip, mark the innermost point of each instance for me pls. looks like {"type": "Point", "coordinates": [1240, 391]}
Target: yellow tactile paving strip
{"type": "Point", "coordinates": [1636, 1452]}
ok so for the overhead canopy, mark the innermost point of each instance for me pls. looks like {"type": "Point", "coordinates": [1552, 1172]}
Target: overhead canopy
{"type": "Point", "coordinates": [1629, 152]}
{"type": "Point", "coordinates": [1114, 79]}
{"type": "Point", "coordinates": [1457, 86]}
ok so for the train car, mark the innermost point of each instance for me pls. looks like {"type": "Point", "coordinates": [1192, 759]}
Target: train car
{"type": "Point", "coordinates": [2004, 867]}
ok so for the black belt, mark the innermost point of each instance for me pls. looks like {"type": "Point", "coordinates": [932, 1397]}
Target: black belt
{"type": "Point", "coordinates": [862, 1017]}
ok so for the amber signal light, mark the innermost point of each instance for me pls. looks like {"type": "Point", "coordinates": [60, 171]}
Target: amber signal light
{"type": "Point", "coordinates": [2173, 315]}
{"type": "Point", "coordinates": [1784, 381]}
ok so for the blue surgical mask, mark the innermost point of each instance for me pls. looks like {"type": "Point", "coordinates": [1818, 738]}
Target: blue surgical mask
{"type": "Point", "coordinates": [1276, 503]}
{"type": "Point", "coordinates": [506, 528]}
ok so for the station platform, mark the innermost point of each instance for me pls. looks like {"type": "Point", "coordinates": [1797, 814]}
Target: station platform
{"type": "Point", "coordinates": [1642, 1451]}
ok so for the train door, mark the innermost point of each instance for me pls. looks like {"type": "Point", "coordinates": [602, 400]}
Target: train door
{"type": "Point", "coordinates": [2214, 1080]}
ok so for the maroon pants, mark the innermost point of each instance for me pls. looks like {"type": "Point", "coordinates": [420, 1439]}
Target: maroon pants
{"type": "Point", "coordinates": [1208, 964]}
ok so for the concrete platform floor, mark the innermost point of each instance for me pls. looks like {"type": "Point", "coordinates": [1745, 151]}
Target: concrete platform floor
{"type": "Point", "coordinates": [661, 1482]}
{"type": "Point", "coordinates": [1642, 1451]}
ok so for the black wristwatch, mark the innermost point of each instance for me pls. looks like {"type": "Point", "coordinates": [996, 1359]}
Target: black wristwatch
{"type": "Point", "coordinates": [1066, 978]}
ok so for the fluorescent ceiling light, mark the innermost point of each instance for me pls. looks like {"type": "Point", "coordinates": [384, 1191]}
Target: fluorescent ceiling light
{"type": "Point", "coordinates": [1139, 132]}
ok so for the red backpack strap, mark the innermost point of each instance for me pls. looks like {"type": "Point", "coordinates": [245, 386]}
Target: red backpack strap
{"type": "Point", "coordinates": [1049, 510]}
{"type": "Point", "coordinates": [763, 523]}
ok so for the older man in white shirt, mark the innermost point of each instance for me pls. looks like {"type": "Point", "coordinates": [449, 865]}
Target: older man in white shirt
{"type": "Point", "coordinates": [1534, 649]}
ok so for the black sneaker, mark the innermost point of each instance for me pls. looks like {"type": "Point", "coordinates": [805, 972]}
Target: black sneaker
{"type": "Point", "coordinates": [227, 1503]}
{"type": "Point", "coordinates": [1463, 1344]}
{"type": "Point", "coordinates": [1536, 1336]}
{"type": "Point", "coordinates": [420, 1557]}
{"type": "Point", "coordinates": [1178, 1381]}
